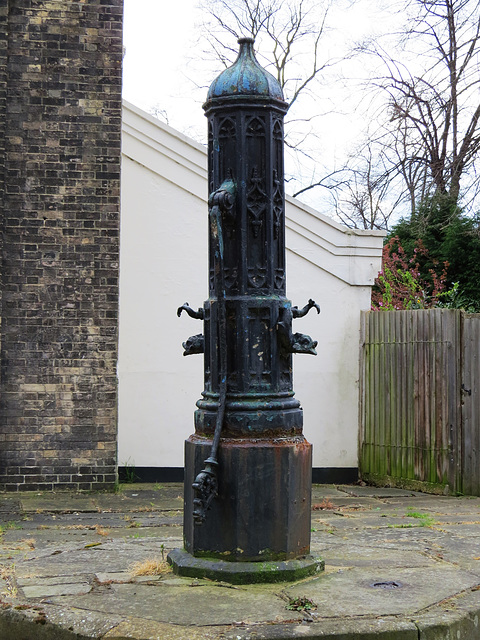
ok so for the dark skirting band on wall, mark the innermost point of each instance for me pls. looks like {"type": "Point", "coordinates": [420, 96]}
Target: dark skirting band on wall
{"type": "Point", "coordinates": [320, 475]}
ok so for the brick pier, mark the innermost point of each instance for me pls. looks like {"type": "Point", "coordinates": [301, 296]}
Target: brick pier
{"type": "Point", "coordinates": [60, 120]}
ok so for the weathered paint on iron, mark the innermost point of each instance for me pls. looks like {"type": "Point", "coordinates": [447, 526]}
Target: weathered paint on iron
{"type": "Point", "coordinates": [245, 77]}
{"type": "Point", "coordinates": [263, 508]}
{"type": "Point", "coordinates": [262, 462]}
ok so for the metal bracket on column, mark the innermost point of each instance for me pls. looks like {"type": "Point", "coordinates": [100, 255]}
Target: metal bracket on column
{"type": "Point", "coordinates": [196, 343]}
{"type": "Point", "coordinates": [290, 342]}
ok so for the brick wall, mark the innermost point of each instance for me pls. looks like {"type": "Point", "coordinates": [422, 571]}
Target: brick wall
{"type": "Point", "coordinates": [60, 243]}
{"type": "Point", "coordinates": [3, 111]}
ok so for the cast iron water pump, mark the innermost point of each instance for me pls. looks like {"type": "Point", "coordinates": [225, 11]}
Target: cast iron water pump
{"type": "Point", "coordinates": [248, 465]}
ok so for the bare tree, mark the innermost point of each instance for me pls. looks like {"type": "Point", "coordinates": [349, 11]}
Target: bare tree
{"type": "Point", "coordinates": [291, 39]}
{"type": "Point", "coordinates": [433, 99]}
{"type": "Point", "coordinates": [383, 179]}
{"type": "Point", "coordinates": [363, 198]}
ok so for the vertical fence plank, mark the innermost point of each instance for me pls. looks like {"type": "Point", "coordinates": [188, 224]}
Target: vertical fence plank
{"type": "Point", "coordinates": [417, 419]}
{"type": "Point", "coordinates": [470, 404]}
{"type": "Point", "coordinates": [409, 347]}
{"type": "Point", "coordinates": [390, 452]}
{"type": "Point", "coordinates": [363, 385]}
{"type": "Point", "coordinates": [454, 408]}
{"type": "Point", "coordinates": [397, 377]}
{"type": "Point", "coordinates": [402, 393]}
{"type": "Point", "coordinates": [469, 436]}
{"type": "Point", "coordinates": [438, 419]}
{"type": "Point", "coordinates": [371, 393]}
{"type": "Point", "coordinates": [375, 418]}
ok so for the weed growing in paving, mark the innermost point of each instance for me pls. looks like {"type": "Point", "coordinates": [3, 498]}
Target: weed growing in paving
{"type": "Point", "coordinates": [9, 525]}
{"type": "Point", "coordinates": [301, 604]}
{"type": "Point", "coordinates": [425, 520]}
{"type": "Point", "coordinates": [129, 471]}
{"type": "Point", "coordinates": [117, 487]}
{"type": "Point", "coordinates": [132, 524]}
{"type": "Point", "coordinates": [6, 574]}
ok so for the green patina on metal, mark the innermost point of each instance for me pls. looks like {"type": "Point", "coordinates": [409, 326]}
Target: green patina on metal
{"type": "Point", "coordinates": [245, 78]}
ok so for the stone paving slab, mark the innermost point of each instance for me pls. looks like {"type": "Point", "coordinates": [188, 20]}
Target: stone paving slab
{"type": "Point", "coordinates": [67, 571]}
{"type": "Point", "coordinates": [10, 505]}
{"type": "Point", "coordinates": [43, 589]}
{"type": "Point", "coordinates": [36, 520]}
{"type": "Point", "coordinates": [143, 497]}
{"type": "Point", "coordinates": [364, 593]}
{"type": "Point", "coordinates": [344, 556]}
{"type": "Point", "coordinates": [327, 491]}
{"type": "Point", "coordinates": [51, 623]}
{"type": "Point", "coordinates": [392, 590]}
{"type": "Point", "coordinates": [178, 604]}
{"type": "Point", "coordinates": [57, 503]}
{"type": "Point", "coordinates": [378, 492]}
{"type": "Point", "coordinates": [44, 538]}
{"type": "Point", "coordinates": [344, 503]}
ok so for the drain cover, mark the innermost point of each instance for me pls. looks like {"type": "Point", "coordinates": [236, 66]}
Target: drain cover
{"type": "Point", "coordinates": [387, 584]}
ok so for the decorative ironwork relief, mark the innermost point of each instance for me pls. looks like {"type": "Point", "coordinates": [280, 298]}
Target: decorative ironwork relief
{"type": "Point", "coordinates": [256, 196]}
{"type": "Point", "coordinates": [257, 276]}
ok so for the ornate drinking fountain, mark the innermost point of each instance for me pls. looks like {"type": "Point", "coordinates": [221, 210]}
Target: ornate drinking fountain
{"type": "Point", "coordinates": [248, 465]}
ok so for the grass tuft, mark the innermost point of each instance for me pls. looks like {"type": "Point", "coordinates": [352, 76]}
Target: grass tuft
{"type": "Point", "coordinates": [150, 567]}
{"type": "Point", "coordinates": [424, 519]}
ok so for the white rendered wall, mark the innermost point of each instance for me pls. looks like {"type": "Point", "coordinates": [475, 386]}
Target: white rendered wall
{"type": "Point", "coordinates": [327, 384]}
{"type": "Point", "coordinates": [163, 264]}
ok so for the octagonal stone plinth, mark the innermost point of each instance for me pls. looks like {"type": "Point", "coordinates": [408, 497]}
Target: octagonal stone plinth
{"type": "Point", "coordinates": [184, 564]}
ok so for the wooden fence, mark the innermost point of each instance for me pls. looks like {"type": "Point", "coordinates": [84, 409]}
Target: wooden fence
{"type": "Point", "coordinates": [419, 411]}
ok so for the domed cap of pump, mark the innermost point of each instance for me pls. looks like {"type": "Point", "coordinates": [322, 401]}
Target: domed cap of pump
{"type": "Point", "coordinates": [245, 78]}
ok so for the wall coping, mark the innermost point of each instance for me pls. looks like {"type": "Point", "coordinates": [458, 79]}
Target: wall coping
{"type": "Point", "coordinates": [352, 255]}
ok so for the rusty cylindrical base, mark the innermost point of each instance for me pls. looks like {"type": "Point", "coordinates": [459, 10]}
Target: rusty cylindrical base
{"type": "Point", "coordinates": [258, 527]}
{"type": "Point", "coordinates": [262, 511]}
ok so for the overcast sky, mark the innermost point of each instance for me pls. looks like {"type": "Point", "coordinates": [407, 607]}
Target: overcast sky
{"type": "Point", "coordinates": [158, 38]}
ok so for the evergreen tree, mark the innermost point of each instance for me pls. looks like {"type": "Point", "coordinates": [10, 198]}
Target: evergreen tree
{"type": "Point", "coordinates": [448, 237]}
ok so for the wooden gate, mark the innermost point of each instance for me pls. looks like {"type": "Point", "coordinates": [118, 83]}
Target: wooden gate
{"type": "Point", "coordinates": [419, 409]}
